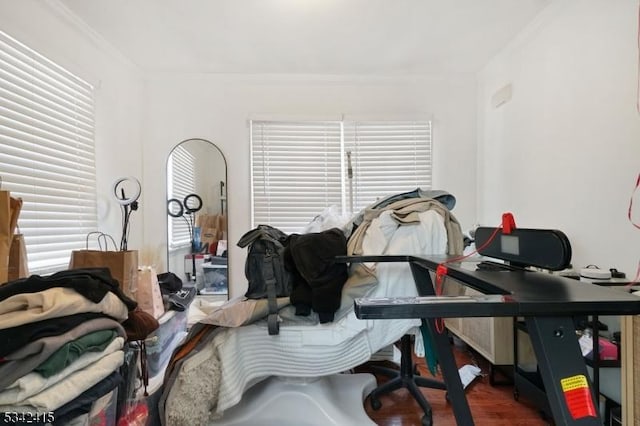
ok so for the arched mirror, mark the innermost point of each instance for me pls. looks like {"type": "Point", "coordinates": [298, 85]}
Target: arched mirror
{"type": "Point", "coordinates": [197, 216]}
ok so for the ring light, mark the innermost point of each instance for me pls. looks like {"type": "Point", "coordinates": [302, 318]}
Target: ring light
{"type": "Point", "coordinates": [130, 200]}
{"type": "Point", "coordinates": [180, 208]}
{"type": "Point", "coordinates": [191, 209]}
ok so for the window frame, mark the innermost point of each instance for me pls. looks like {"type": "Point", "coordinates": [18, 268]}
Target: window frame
{"type": "Point", "coordinates": [47, 131]}
{"type": "Point", "coordinates": [422, 128]}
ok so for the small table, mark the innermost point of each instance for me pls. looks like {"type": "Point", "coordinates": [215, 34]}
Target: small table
{"type": "Point", "coordinates": [547, 302]}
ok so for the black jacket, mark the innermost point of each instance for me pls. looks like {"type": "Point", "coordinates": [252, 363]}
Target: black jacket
{"type": "Point", "coordinates": [317, 280]}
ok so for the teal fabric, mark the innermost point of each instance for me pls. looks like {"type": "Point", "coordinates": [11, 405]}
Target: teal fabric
{"type": "Point", "coordinates": [430, 356]}
{"type": "Point", "coordinates": [96, 341]}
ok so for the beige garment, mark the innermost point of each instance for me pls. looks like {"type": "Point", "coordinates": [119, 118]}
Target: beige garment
{"type": "Point", "coordinates": [361, 275]}
{"type": "Point", "coordinates": [26, 308]}
{"type": "Point", "coordinates": [241, 311]}
{"type": "Point", "coordinates": [406, 211]}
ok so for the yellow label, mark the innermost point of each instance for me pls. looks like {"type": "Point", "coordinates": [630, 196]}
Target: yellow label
{"type": "Point", "coordinates": [574, 382]}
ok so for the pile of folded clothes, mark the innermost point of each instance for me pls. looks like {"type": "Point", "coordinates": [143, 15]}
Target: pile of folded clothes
{"type": "Point", "coordinates": [62, 338]}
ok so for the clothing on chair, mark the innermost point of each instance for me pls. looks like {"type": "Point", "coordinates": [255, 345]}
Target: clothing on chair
{"type": "Point", "coordinates": [446, 199]}
{"type": "Point", "coordinates": [317, 278]}
{"type": "Point", "coordinates": [387, 221]}
{"type": "Point", "coordinates": [246, 355]}
{"type": "Point", "coordinates": [406, 211]}
{"type": "Point", "coordinates": [410, 226]}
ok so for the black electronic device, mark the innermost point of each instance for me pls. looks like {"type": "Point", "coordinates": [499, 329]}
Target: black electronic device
{"type": "Point", "coordinates": [543, 248]}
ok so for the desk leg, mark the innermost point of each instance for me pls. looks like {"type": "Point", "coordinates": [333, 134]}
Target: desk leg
{"type": "Point", "coordinates": [446, 360]}
{"type": "Point", "coordinates": [451, 376]}
{"type": "Point", "coordinates": [563, 371]}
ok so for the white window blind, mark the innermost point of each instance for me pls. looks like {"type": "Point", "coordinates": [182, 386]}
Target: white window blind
{"type": "Point", "coordinates": [301, 168]}
{"type": "Point", "coordinates": [47, 156]}
{"type": "Point", "coordinates": [181, 182]}
{"type": "Point", "coordinates": [387, 158]}
{"type": "Point", "coordinates": [296, 171]}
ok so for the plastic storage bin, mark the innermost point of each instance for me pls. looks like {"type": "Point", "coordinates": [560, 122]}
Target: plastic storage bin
{"type": "Point", "coordinates": [103, 410]}
{"type": "Point", "coordinates": [215, 278]}
{"type": "Point", "coordinates": [161, 343]}
{"type": "Point", "coordinates": [141, 409]}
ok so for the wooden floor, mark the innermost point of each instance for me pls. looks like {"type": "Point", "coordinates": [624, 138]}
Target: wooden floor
{"type": "Point", "coordinates": [490, 405]}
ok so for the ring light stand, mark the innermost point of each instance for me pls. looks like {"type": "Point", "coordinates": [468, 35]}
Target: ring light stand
{"type": "Point", "coordinates": [128, 205]}
{"type": "Point", "coordinates": [187, 209]}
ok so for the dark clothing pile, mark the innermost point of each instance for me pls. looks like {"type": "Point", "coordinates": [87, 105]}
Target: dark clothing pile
{"type": "Point", "coordinates": [174, 295]}
{"type": "Point", "coordinates": [63, 359]}
{"type": "Point", "coordinates": [317, 280]}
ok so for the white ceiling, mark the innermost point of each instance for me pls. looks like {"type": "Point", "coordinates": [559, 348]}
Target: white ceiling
{"type": "Point", "coordinates": [307, 36]}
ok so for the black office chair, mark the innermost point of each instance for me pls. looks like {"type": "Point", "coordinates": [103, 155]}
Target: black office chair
{"type": "Point", "coordinates": [407, 377]}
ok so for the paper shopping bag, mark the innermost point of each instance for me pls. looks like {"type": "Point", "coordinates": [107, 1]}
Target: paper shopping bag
{"type": "Point", "coordinates": [18, 263]}
{"type": "Point", "coordinates": [15, 206]}
{"type": "Point", "coordinates": [5, 235]}
{"type": "Point", "coordinates": [148, 296]}
{"type": "Point", "coordinates": [209, 236]}
{"type": "Point", "coordinates": [123, 266]}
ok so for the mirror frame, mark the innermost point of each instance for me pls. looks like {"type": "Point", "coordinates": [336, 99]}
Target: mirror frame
{"type": "Point", "coordinates": [225, 199]}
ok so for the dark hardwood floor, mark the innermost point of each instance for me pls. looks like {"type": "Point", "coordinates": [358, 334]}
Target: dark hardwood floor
{"type": "Point", "coordinates": [490, 405]}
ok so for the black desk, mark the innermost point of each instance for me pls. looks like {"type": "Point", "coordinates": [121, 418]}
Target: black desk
{"type": "Point", "coordinates": [547, 302]}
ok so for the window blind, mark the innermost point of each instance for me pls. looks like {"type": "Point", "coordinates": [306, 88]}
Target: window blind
{"type": "Point", "coordinates": [387, 158]}
{"type": "Point", "coordinates": [47, 157]}
{"type": "Point", "coordinates": [181, 182]}
{"type": "Point", "coordinates": [301, 168]}
{"type": "Point", "coordinates": [296, 171]}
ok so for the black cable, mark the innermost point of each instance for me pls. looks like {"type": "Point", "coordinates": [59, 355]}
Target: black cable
{"type": "Point", "coordinates": [128, 205]}
{"type": "Point", "coordinates": [125, 227]}
{"type": "Point", "coordinates": [125, 222]}
{"type": "Point", "coordinates": [124, 230]}
{"type": "Point", "coordinates": [128, 229]}
{"type": "Point", "coordinates": [189, 227]}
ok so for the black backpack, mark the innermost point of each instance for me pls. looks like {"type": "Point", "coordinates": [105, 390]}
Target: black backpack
{"type": "Point", "coordinates": [264, 269]}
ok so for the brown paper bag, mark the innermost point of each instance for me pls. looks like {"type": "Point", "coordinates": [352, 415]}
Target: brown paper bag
{"type": "Point", "coordinates": [123, 266]}
{"type": "Point", "coordinates": [18, 263]}
{"type": "Point", "coordinates": [15, 207]}
{"type": "Point", "coordinates": [148, 296]}
{"type": "Point", "coordinates": [212, 221]}
{"type": "Point", "coordinates": [209, 235]}
{"type": "Point", "coordinates": [5, 235]}
{"type": "Point", "coordinates": [222, 227]}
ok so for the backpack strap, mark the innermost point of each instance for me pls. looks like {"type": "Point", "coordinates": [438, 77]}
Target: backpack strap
{"type": "Point", "coordinates": [249, 237]}
{"type": "Point", "coordinates": [258, 234]}
{"type": "Point", "coordinates": [269, 270]}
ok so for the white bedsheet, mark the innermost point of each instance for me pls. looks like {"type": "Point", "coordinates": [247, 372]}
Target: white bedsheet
{"type": "Point", "coordinates": [248, 354]}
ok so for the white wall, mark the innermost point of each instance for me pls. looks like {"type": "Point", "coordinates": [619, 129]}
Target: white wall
{"type": "Point", "coordinates": [140, 118]}
{"type": "Point", "coordinates": [217, 108]}
{"type": "Point", "coordinates": [563, 153]}
{"type": "Point", "coordinates": [47, 28]}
